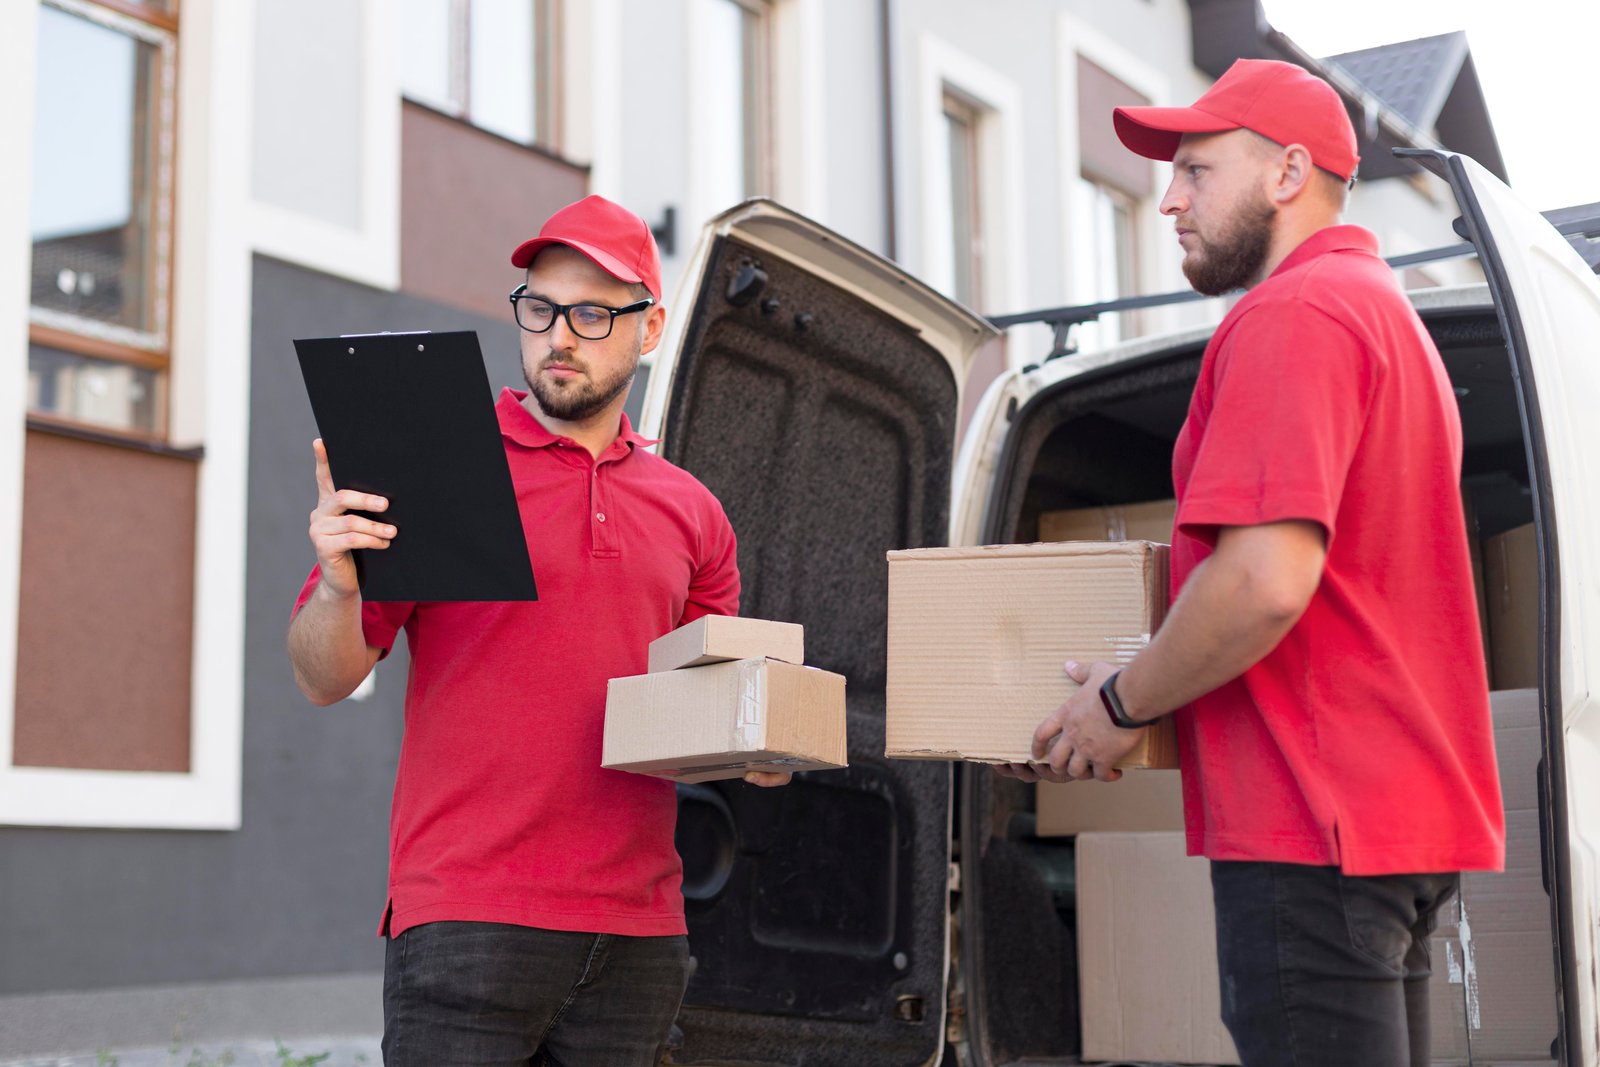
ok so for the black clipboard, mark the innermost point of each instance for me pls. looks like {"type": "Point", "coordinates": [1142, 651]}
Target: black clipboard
{"type": "Point", "coordinates": [410, 417]}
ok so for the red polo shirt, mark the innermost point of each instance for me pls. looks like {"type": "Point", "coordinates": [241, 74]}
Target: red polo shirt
{"type": "Point", "coordinates": [501, 811]}
{"type": "Point", "coordinates": [1363, 740]}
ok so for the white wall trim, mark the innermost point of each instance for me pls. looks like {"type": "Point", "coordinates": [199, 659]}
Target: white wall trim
{"type": "Point", "coordinates": [371, 254]}
{"type": "Point", "coordinates": [1158, 262]}
{"type": "Point", "coordinates": [19, 36]}
{"type": "Point", "coordinates": [211, 377]}
{"type": "Point", "coordinates": [604, 115]}
{"type": "Point", "coordinates": [800, 98]}
{"type": "Point", "coordinates": [1002, 190]}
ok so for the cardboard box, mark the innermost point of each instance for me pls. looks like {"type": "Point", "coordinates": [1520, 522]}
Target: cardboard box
{"type": "Point", "coordinates": [1122, 522]}
{"type": "Point", "coordinates": [1147, 952]}
{"type": "Point", "coordinates": [1493, 986]}
{"type": "Point", "coordinates": [1150, 801]}
{"type": "Point", "coordinates": [722, 720]}
{"type": "Point", "coordinates": [978, 638]}
{"type": "Point", "coordinates": [1511, 586]}
{"type": "Point", "coordinates": [721, 638]}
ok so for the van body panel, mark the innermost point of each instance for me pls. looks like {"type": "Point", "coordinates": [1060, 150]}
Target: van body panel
{"type": "Point", "coordinates": [1548, 301]}
{"type": "Point", "coordinates": [814, 388]}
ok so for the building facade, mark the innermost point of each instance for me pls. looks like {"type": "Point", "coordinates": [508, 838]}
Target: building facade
{"type": "Point", "coordinates": [184, 842]}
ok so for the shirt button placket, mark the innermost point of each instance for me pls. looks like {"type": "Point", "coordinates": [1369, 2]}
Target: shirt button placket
{"type": "Point", "coordinates": [600, 528]}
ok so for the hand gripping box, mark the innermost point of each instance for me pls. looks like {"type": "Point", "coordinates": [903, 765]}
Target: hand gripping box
{"type": "Point", "coordinates": [978, 639]}
{"type": "Point", "coordinates": [721, 720]}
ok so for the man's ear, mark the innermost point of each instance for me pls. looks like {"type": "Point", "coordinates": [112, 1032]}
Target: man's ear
{"type": "Point", "coordinates": [655, 322]}
{"type": "Point", "coordinates": [1294, 174]}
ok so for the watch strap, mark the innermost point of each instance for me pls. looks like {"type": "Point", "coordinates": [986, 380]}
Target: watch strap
{"type": "Point", "coordinates": [1113, 705]}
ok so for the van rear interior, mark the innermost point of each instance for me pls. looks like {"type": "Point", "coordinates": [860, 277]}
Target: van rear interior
{"type": "Point", "coordinates": [1105, 438]}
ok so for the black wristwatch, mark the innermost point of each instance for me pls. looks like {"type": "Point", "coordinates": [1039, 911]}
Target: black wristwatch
{"type": "Point", "coordinates": [1113, 703]}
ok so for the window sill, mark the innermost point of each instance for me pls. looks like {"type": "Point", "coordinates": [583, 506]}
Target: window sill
{"type": "Point", "coordinates": [46, 423]}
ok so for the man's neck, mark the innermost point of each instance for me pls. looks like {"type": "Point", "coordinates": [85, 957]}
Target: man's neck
{"type": "Point", "coordinates": [1290, 235]}
{"type": "Point", "coordinates": [595, 433]}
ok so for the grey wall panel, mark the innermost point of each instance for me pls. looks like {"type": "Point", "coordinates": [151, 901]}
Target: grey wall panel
{"type": "Point", "coordinates": [299, 889]}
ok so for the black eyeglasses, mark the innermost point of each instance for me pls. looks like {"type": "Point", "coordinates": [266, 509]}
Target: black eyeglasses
{"type": "Point", "coordinates": [592, 322]}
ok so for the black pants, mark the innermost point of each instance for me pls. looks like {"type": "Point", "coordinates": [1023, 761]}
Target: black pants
{"type": "Point", "coordinates": [1319, 968]}
{"type": "Point", "coordinates": [466, 993]}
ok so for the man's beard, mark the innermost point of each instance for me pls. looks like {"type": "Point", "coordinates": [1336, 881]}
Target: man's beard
{"type": "Point", "coordinates": [578, 400]}
{"type": "Point", "coordinates": [1236, 255]}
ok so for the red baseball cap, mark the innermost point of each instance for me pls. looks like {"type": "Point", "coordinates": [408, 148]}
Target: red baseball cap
{"type": "Point", "coordinates": [619, 242]}
{"type": "Point", "coordinates": [1280, 101]}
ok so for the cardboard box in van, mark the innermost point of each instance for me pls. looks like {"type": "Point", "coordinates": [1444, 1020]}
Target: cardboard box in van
{"type": "Point", "coordinates": [721, 720]}
{"type": "Point", "coordinates": [720, 638]}
{"type": "Point", "coordinates": [1150, 521]}
{"type": "Point", "coordinates": [1147, 952]}
{"type": "Point", "coordinates": [1493, 973]}
{"type": "Point", "coordinates": [978, 640]}
{"type": "Point", "coordinates": [1511, 587]}
{"type": "Point", "coordinates": [1150, 801]}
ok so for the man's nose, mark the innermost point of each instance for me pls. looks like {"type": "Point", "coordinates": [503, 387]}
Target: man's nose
{"type": "Point", "coordinates": [1173, 201]}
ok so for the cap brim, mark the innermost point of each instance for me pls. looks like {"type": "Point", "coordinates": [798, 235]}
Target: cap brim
{"type": "Point", "coordinates": [602, 259]}
{"type": "Point", "coordinates": [1154, 132]}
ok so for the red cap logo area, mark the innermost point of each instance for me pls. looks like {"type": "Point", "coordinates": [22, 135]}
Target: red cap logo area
{"type": "Point", "coordinates": [618, 241]}
{"type": "Point", "coordinates": [1280, 101]}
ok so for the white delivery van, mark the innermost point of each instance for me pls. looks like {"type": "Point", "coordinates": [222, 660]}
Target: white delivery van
{"type": "Point", "coordinates": [909, 912]}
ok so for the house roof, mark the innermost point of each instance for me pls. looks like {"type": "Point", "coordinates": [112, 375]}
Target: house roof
{"type": "Point", "coordinates": [1433, 83]}
{"type": "Point", "coordinates": [1412, 94]}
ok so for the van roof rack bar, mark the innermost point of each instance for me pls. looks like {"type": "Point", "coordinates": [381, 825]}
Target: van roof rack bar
{"type": "Point", "coordinates": [1580, 224]}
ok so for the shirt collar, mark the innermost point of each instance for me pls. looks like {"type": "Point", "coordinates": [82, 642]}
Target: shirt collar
{"type": "Point", "coordinates": [1325, 240]}
{"type": "Point", "coordinates": [517, 423]}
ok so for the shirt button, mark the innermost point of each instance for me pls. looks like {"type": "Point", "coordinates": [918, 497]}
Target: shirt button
{"type": "Point", "coordinates": [600, 516]}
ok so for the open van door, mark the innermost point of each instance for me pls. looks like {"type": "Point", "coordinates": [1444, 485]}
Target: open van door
{"type": "Point", "coordinates": [814, 388]}
{"type": "Point", "coordinates": [1548, 302]}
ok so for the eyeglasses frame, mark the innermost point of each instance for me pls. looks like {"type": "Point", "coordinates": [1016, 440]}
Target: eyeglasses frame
{"type": "Point", "coordinates": [565, 311]}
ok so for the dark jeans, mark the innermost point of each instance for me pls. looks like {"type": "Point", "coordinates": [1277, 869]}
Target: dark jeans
{"type": "Point", "coordinates": [468, 993]}
{"type": "Point", "coordinates": [1320, 968]}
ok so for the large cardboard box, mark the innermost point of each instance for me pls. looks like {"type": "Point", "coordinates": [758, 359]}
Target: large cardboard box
{"type": "Point", "coordinates": [1121, 522]}
{"type": "Point", "coordinates": [1147, 952]}
{"type": "Point", "coordinates": [978, 639]}
{"type": "Point", "coordinates": [722, 720]}
{"type": "Point", "coordinates": [721, 638]}
{"type": "Point", "coordinates": [1493, 986]}
{"type": "Point", "coordinates": [1149, 801]}
{"type": "Point", "coordinates": [1511, 586]}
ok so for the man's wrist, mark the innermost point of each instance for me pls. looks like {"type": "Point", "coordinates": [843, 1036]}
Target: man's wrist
{"type": "Point", "coordinates": [1116, 711]}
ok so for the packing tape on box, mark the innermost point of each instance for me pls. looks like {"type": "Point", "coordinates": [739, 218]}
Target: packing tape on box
{"type": "Point", "coordinates": [752, 704]}
{"type": "Point", "coordinates": [1123, 649]}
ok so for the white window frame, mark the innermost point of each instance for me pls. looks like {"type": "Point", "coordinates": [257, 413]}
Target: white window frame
{"type": "Point", "coordinates": [1001, 191]}
{"type": "Point", "coordinates": [369, 253]}
{"type": "Point", "coordinates": [211, 362]}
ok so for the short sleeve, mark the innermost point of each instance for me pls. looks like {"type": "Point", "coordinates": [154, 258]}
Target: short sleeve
{"type": "Point", "coordinates": [714, 589]}
{"type": "Point", "coordinates": [1291, 388]}
{"type": "Point", "coordinates": [379, 622]}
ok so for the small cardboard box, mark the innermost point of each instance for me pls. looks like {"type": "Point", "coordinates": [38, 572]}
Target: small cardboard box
{"type": "Point", "coordinates": [720, 638]}
{"type": "Point", "coordinates": [1511, 586]}
{"type": "Point", "coordinates": [1150, 801]}
{"type": "Point", "coordinates": [1147, 952]}
{"type": "Point", "coordinates": [978, 638]}
{"type": "Point", "coordinates": [722, 720]}
{"type": "Point", "coordinates": [1123, 522]}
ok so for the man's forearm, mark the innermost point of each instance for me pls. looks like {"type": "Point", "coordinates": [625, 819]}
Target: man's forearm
{"type": "Point", "coordinates": [1233, 610]}
{"type": "Point", "coordinates": [327, 647]}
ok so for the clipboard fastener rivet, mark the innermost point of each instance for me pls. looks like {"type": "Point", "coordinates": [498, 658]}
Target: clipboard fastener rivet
{"type": "Point", "coordinates": [419, 348]}
{"type": "Point", "coordinates": [351, 350]}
